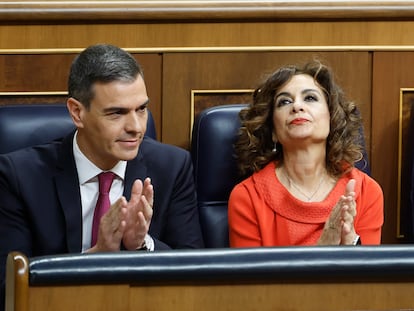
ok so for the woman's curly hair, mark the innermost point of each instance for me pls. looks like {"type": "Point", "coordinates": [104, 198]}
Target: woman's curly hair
{"type": "Point", "coordinates": [254, 147]}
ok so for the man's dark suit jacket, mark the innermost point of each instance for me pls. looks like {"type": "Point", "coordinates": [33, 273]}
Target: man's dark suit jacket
{"type": "Point", "coordinates": [40, 204]}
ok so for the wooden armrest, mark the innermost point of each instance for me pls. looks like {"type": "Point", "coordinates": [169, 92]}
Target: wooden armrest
{"type": "Point", "coordinates": [17, 282]}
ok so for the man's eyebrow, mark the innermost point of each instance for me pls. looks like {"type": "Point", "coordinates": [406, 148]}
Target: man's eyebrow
{"type": "Point", "coordinates": [124, 110]}
{"type": "Point", "coordinates": [114, 109]}
{"type": "Point", "coordinates": [146, 103]}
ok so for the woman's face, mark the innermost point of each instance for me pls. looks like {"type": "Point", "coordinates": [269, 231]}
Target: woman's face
{"type": "Point", "coordinates": [300, 116]}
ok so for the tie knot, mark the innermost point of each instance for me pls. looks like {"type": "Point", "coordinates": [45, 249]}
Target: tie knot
{"type": "Point", "coordinates": [105, 181]}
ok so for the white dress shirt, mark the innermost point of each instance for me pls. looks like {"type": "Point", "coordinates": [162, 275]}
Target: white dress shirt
{"type": "Point", "coordinates": [89, 189]}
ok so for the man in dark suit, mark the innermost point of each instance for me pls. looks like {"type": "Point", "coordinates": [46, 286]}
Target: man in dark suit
{"type": "Point", "coordinates": [48, 193]}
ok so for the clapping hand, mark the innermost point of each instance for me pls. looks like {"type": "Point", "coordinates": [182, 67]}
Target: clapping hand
{"type": "Point", "coordinates": [139, 214]}
{"type": "Point", "coordinates": [112, 227]}
{"type": "Point", "coordinates": [127, 222]}
{"type": "Point", "coordinates": [339, 228]}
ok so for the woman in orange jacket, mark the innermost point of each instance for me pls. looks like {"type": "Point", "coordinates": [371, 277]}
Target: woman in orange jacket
{"type": "Point", "coordinates": [299, 142]}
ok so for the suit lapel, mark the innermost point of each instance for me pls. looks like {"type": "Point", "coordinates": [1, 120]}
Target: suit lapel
{"type": "Point", "coordinates": [136, 169]}
{"type": "Point", "coordinates": [67, 185]}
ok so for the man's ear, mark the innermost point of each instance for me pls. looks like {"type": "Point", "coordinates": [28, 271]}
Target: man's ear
{"type": "Point", "coordinates": [75, 109]}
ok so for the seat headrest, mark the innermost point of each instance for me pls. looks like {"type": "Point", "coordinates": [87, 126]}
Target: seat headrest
{"type": "Point", "coordinates": [214, 133]}
{"type": "Point", "coordinates": [28, 125]}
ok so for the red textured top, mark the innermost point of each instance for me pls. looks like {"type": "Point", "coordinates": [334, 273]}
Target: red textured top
{"type": "Point", "coordinates": [262, 212]}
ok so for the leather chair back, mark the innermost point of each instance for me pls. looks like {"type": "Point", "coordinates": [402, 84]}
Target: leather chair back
{"type": "Point", "coordinates": [215, 171]}
{"type": "Point", "coordinates": [28, 125]}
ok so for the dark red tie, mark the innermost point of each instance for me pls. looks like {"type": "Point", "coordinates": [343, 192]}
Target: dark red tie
{"type": "Point", "coordinates": [103, 204]}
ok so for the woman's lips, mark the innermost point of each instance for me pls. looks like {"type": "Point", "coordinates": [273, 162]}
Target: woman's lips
{"type": "Point", "coordinates": [298, 121]}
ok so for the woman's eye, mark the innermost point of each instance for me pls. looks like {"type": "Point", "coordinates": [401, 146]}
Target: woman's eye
{"type": "Point", "coordinates": [282, 102]}
{"type": "Point", "coordinates": [311, 98]}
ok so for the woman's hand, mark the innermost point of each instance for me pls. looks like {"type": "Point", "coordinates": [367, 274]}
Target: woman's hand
{"type": "Point", "coordinates": [339, 228]}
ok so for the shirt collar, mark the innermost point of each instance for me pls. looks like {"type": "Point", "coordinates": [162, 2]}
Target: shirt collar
{"type": "Point", "coordinates": [87, 170]}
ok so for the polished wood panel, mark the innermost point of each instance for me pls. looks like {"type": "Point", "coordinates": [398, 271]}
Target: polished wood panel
{"type": "Point", "coordinates": [49, 72]}
{"type": "Point", "coordinates": [392, 71]}
{"type": "Point", "coordinates": [17, 282]}
{"type": "Point", "coordinates": [342, 34]}
{"type": "Point", "coordinates": [32, 72]}
{"type": "Point", "coordinates": [90, 297]}
{"type": "Point", "coordinates": [202, 9]}
{"type": "Point", "coordinates": [312, 296]}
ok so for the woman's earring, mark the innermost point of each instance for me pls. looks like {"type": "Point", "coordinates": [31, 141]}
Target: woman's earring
{"type": "Point", "coordinates": [274, 147]}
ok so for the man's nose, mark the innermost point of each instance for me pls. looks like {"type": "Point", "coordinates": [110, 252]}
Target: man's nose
{"type": "Point", "coordinates": [136, 123]}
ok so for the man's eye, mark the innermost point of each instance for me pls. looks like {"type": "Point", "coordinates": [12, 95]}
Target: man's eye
{"type": "Point", "coordinates": [142, 109]}
{"type": "Point", "coordinates": [115, 113]}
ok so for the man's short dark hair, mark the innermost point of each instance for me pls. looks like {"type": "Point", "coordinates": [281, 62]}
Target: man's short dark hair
{"type": "Point", "coordinates": [100, 63]}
